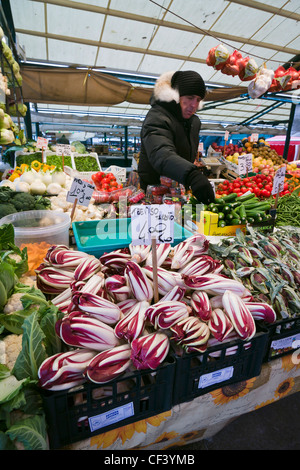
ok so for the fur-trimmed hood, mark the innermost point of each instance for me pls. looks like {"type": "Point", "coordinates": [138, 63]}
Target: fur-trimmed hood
{"type": "Point", "coordinates": [163, 90]}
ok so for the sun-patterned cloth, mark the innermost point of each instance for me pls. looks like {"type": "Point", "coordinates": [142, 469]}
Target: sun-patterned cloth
{"type": "Point", "coordinates": [204, 416]}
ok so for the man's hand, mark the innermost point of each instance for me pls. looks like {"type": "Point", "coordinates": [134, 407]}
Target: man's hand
{"type": "Point", "coordinates": [200, 186]}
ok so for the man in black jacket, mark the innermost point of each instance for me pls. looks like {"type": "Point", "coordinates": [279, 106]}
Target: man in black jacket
{"type": "Point", "coordinates": [170, 134]}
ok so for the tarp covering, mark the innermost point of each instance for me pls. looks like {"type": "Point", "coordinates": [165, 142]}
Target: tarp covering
{"type": "Point", "coordinates": [81, 87]}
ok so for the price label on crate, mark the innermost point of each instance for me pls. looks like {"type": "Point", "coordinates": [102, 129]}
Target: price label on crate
{"type": "Point", "coordinates": [155, 220]}
{"type": "Point", "coordinates": [278, 181]}
{"type": "Point", "coordinates": [63, 149]}
{"type": "Point", "coordinates": [245, 163]}
{"type": "Point", "coordinates": [42, 143]}
{"type": "Point", "coordinates": [80, 191]}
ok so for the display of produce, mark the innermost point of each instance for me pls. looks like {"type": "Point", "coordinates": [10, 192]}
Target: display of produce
{"type": "Point", "coordinates": [27, 336]}
{"type": "Point", "coordinates": [264, 159]}
{"type": "Point", "coordinates": [84, 164]}
{"type": "Point", "coordinates": [260, 185]}
{"type": "Point", "coordinates": [268, 265]}
{"type": "Point", "coordinates": [112, 297]}
{"type": "Point", "coordinates": [13, 201]}
{"type": "Point", "coordinates": [72, 319]}
{"type": "Point", "coordinates": [38, 178]}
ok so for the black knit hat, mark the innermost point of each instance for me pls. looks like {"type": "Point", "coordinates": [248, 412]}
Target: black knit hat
{"type": "Point", "coordinates": [188, 82]}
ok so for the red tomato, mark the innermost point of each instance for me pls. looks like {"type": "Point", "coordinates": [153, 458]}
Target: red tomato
{"type": "Point", "coordinates": [268, 187]}
{"type": "Point", "coordinates": [265, 193]}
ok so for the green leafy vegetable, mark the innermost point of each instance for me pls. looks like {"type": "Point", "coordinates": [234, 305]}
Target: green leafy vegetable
{"type": "Point", "coordinates": [33, 352]}
{"type": "Point", "coordinates": [8, 280]}
{"type": "Point", "coordinates": [31, 432]}
{"type": "Point", "coordinates": [88, 163]}
{"type": "Point", "coordinates": [10, 387]}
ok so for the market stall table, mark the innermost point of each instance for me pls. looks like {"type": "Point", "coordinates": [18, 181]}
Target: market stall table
{"type": "Point", "coordinates": [204, 416]}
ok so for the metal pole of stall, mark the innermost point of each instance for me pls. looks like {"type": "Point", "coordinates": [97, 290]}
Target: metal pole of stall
{"type": "Point", "coordinates": [126, 145]}
{"type": "Point", "coordinates": [288, 133]}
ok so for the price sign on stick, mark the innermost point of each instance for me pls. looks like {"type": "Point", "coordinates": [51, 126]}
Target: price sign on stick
{"type": "Point", "coordinates": [245, 163]}
{"type": "Point", "coordinates": [153, 221]}
{"type": "Point", "coordinates": [80, 192]}
{"type": "Point", "coordinates": [278, 181]}
{"type": "Point", "coordinates": [42, 143]}
{"type": "Point", "coordinates": [63, 149]}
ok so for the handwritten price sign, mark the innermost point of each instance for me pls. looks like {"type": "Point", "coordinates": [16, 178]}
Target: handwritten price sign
{"type": "Point", "coordinates": [81, 191]}
{"type": "Point", "coordinates": [42, 143]}
{"type": "Point", "coordinates": [245, 163]}
{"type": "Point", "coordinates": [156, 220]}
{"type": "Point", "coordinates": [278, 181]}
{"type": "Point", "coordinates": [63, 149]}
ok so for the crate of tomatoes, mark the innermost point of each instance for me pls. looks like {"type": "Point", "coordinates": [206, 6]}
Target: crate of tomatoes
{"type": "Point", "coordinates": [108, 189]}
{"type": "Point", "coordinates": [261, 185]}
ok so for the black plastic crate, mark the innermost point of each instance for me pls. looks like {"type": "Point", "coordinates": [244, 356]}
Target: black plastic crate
{"type": "Point", "coordinates": [90, 409]}
{"type": "Point", "coordinates": [284, 338]}
{"type": "Point", "coordinates": [230, 362]}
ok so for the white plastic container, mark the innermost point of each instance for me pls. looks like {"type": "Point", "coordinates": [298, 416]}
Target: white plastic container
{"type": "Point", "coordinates": [39, 226]}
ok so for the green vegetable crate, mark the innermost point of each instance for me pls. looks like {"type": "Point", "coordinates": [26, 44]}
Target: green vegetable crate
{"type": "Point", "coordinates": [91, 409]}
{"type": "Point", "coordinates": [283, 338]}
{"type": "Point", "coordinates": [227, 363]}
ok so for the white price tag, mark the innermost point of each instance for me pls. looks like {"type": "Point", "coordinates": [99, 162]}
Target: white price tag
{"type": "Point", "coordinates": [63, 149]}
{"type": "Point", "coordinates": [278, 181]}
{"type": "Point", "coordinates": [155, 220]}
{"type": "Point", "coordinates": [42, 143]}
{"type": "Point", "coordinates": [245, 163]}
{"type": "Point", "coordinates": [118, 171]}
{"type": "Point", "coordinates": [226, 135]}
{"type": "Point", "coordinates": [200, 147]}
{"type": "Point", "coordinates": [80, 190]}
{"type": "Point", "coordinates": [254, 137]}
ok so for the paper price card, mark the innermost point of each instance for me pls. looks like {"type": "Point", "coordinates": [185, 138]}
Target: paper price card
{"type": "Point", "coordinates": [226, 136]}
{"type": "Point", "coordinates": [200, 147]}
{"type": "Point", "coordinates": [245, 163]}
{"type": "Point", "coordinates": [42, 143]}
{"type": "Point", "coordinates": [254, 137]}
{"type": "Point", "coordinates": [155, 220]}
{"type": "Point", "coordinates": [80, 191]}
{"type": "Point", "coordinates": [278, 181]}
{"type": "Point", "coordinates": [63, 149]}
